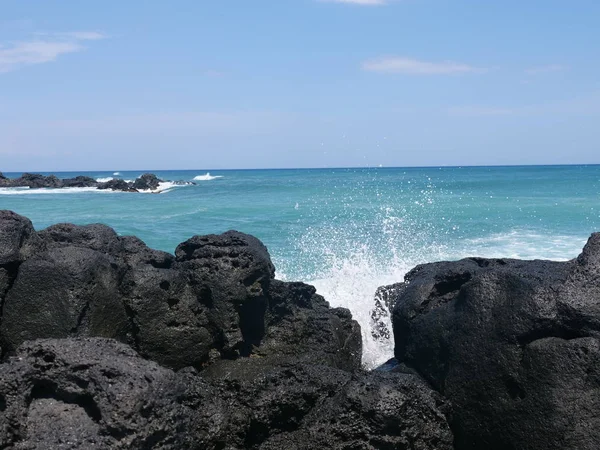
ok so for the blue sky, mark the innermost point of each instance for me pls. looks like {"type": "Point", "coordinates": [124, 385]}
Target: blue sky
{"type": "Point", "coordinates": [117, 85]}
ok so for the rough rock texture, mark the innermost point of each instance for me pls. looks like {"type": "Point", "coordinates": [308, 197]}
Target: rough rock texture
{"type": "Point", "coordinates": [85, 393]}
{"type": "Point", "coordinates": [215, 299]}
{"type": "Point", "coordinates": [147, 181]}
{"type": "Point", "coordinates": [231, 273]}
{"type": "Point", "coordinates": [301, 406]}
{"type": "Point", "coordinates": [91, 393]}
{"type": "Point", "coordinates": [116, 184]}
{"type": "Point", "coordinates": [79, 181]}
{"type": "Point", "coordinates": [301, 326]}
{"type": "Point", "coordinates": [514, 345]}
{"type": "Point", "coordinates": [64, 292]}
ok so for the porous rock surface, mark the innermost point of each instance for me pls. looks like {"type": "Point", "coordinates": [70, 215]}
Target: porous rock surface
{"type": "Point", "coordinates": [513, 345]}
{"type": "Point", "coordinates": [110, 344]}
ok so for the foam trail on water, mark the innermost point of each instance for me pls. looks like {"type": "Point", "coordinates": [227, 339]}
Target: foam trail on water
{"type": "Point", "coordinates": [207, 177]}
{"type": "Point", "coordinates": [50, 191]}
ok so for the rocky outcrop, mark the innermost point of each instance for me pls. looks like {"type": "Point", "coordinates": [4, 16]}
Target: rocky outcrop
{"type": "Point", "coordinates": [514, 345]}
{"type": "Point", "coordinates": [92, 393]}
{"type": "Point", "coordinates": [215, 299]}
{"type": "Point", "coordinates": [94, 325]}
{"type": "Point", "coordinates": [84, 393]}
{"type": "Point", "coordinates": [146, 182]}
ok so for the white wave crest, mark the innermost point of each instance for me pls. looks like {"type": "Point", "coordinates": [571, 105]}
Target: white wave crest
{"type": "Point", "coordinates": [207, 177]}
{"type": "Point", "coordinates": [116, 174]}
{"type": "Point", "coordinates": [104, 180]}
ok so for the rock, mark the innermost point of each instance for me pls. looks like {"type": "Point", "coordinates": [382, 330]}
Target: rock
{"type": "Point", "coordinates": [380, 315]}
{"type": "Point", "coordinates": [172, 319]}
{"type": "Point", "coordinates": [117, 184]}
{"type": "Point", "coordinates": [79, 181]}
{"type": "Point", "coordinates": [514, 345]}
{"type": "Point", "coordinates": [231, 273]}
{"type": "Point", "coordinates": [36, 181]}
{"type": "Point", "coordinates": [96, 237]}
{"type": "Point", "coordinates": [84, 393]}
{"type": "Point", "coordinates": [303, 406]}
{"type": "Point", "coordinates": [147, 181]}
{"type": "Point", "coordinates": [18, 239]}
{"type": "Point", "coordinates": [215, 299]}
{"type": "Point", "coordinates": [67, 291]}
{"type": "Point", "coordinates": [301, 326]}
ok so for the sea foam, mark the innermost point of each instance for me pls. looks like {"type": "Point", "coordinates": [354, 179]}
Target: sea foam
{"type": "Point", "coordinates": [207, 177]}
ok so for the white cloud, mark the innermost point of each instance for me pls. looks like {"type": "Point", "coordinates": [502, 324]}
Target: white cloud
{"type": "Point", "coordinates": [45, 48]}
{"type": "Point", "coordinates": [551, 68]}
{"type": "Point", "coordinates": [409, 66]}
{"type": "Point", "coordinates": [359, 2]}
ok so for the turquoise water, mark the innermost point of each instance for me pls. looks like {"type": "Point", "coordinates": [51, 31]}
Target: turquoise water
{"type": "Point", "coordinates": [349, 231]}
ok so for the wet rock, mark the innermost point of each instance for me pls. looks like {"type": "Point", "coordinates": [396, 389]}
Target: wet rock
{"type": "Point", "coordinates": [117, 184]}
{"type": "Point", "coordinates": [79, 181]}
{"type": "Point", "coordinates": [512, 344]}
{"type": "Point", "coordinates": [147, 181]}
{"type": "Point", "coordinates": [385, 297]}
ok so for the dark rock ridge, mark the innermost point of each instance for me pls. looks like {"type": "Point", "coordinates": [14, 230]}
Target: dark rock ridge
{"type": "Point", "coordinates": [110, 344]}
{"type": "Point", "coordinates": [513, 345]}
{"type": "Point", "coordinates": [147, 181]}
{"type": "Point", "coordinates": [98, 393]}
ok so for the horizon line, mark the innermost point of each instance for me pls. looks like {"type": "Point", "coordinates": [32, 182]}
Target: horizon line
{"type": "Point", "coordinates": [460, 166]}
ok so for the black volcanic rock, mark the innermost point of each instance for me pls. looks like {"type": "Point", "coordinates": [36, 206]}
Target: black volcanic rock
{"type": "Point", "coordinates": [68, 291]}
{"type": "Point", "coordinates": [231, 273]}
{"type": "Point", "coordinates": [514, 345]}
{"type": "Point", "coordinates": [18, 239]}
{"type": "Point", "coordinates": [97, 237]}
{"type": "Point", "coordinates": [83, 393]}
{"type": "Point", "coordinates": [116, 184]}
{"type": "Point", "coordinates": [215, 299]}
{"type": "Point", "coordinates": [36, 181]}
{"type": "Point", "coordinates": [91, 393]}
{"type": "Point", "coordinates": [364, 411]}
{"type": "Point", "coordinates": [147, 181]}
{"type": "Point", "coordinates": [329, 336]}
{"type": "Point", "coordinates": [79, 181]}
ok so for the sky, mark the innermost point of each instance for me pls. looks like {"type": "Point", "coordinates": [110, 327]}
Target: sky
{"type": "Point", "coordinates": [223, 84]}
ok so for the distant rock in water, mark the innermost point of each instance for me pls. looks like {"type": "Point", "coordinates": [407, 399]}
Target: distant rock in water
{"type": "Point", "coordinates": [116, 184]}
{"type": "Point", "coordinates": [147, 182]}
{"type": "Point", "coordinates": [79, 181]}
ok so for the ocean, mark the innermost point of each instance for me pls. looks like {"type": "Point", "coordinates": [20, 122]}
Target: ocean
{"type": "Point", "coordinates": [347, 231]}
